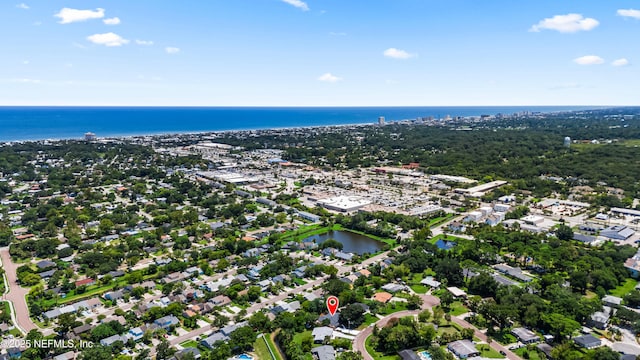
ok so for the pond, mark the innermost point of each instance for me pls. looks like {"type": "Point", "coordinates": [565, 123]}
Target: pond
{"type": "Point", "coordinates": [353, 243]}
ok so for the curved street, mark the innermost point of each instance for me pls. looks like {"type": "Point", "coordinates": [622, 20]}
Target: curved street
{"type": "Point", "coordinates": [16, 294]}
{"type": "Point", "coordinates": [428, 301]}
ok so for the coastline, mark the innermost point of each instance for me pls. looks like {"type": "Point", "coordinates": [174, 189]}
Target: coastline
{"type": "Point", "coordinates": [29, 124]}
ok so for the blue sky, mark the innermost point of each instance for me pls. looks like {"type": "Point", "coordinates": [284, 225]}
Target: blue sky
{"type": "Point", "coordinates": [320, 52]}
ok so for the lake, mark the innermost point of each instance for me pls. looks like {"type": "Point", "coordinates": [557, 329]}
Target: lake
{"type": "Point", "coordinates": [353, 243]}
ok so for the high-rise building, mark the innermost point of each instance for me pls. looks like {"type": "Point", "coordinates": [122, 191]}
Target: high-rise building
{"type": "Point", "coordinates": [89, 136]}
{"type": "Point", "coordinates": [567, 141]}
{"type": "Point", "coordinates": [381, 120]}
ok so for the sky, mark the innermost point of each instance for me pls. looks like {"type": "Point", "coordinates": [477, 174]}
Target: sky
{"type": "Point", "coordinates": [319, 52]}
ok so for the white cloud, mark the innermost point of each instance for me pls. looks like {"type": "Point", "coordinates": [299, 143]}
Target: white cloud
{"type": "Point", "coordinates": [68, 15]}
{"type": "Point", "coordinates": [589, 60]}
{"type": "Point", "coordinates": [629, 13]}
{"type": "Point", "coordinates": [620, 62]}
{"type": "Point", "coordinates": [23, 6]}
{"type": "Point", "coordinates": [171, 50]}
{"type": "Point", "coordinates": [112, 21]}
{"type": "Point", "coordinates": [569, 23]}
{"type": "Point", "coordinates": [144, 42]}
{"type": "Point", "coordinates": [298, 3]}
{"type": "Point", "coordinates": [328, 77]}
{"type": "Point", "coordinates": [397, 54]}
{"type": "Point", "coordinates": [108, 39]}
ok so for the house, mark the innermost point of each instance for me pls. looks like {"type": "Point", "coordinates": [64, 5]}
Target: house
{"type": "Point", "coordinates": [456, 292]}
{"type": "Point", "coordinates": [47, 274]}
{"type": "Point", "coordinates": [333, 320]}
{"type": "Point", "coordinates": [349, 279]}
{"type": "Point", "coordinates": [463, 349]}
{"type": "Point", "coordinates": [324, 352]}
{"type": "Point", "coordinates": [45, 264]}
{"type": "Point", "coordinates": [220, 300]}
{"type": "Point", "coordinates": [185, 352]}
{"type": "Point", "coordinates": [457, 226]}
{"type": "Point", "coordinates": [82, 329]}
{"type": "Point", "coordinates": [525, 335]}
{"type": "Point", "coordinates": [264, 285]}
{"type": "Point", "coordinates": [320, 334]}
{"type": "Point", "coordinates": [408, 354]}
{"type": "Point", "coordinates": [136, 333]}
{"type": "Point", "coordinates": [299, 272]}
{"type": "Point", "coordinates": [393, 288]}
{"type": "Point", "coordinates": [364, 272]}
{"type": "Point", "coordinates": [189, 314]}
{"type": "Point", "coordinates": [546, 349]}
{"type": "Point", "coordinates": [69, 355]}
{"type": "Point", "coordinates": [382, 297]}
{"type": "Point", "coordinates": [112, 339]}
{"type": "Point", "coordinates": [114, 295]}
{"type": "Point", "coordinates": [600, 319]}
{"type": "Point", "coordinates": [210, 341]}
{"type": "Point", "coordinates": [85, 282]}
{"type": "Point", "coordinates": [344, 256]}
{"type": "Point", "coordinates": [167, 321]}
{"type": "Point", "coordinates": [587, 341]}
{"type": "Point", "coordinates": [513, 272]}
{"type": "Point", "coordinates": [612, 301]}
{"type": "Point", "coordinates": [430, 282]}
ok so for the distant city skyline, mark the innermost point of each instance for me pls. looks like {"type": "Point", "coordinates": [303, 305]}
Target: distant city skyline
{"type": "Point", "coordinates": [319, 53]}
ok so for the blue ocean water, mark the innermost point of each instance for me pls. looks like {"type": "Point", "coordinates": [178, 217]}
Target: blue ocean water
{"type": "Point", "coordinates": [37, 123]}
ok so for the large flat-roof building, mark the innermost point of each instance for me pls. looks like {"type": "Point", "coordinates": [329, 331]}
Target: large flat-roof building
{"type": "Point", "coordinates": [480, 190]}
{"type": "Point", "coordinates": [344, 203]}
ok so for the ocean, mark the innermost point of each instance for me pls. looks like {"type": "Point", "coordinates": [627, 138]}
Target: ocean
{"type": "Point", "coordinates": [39, 123]}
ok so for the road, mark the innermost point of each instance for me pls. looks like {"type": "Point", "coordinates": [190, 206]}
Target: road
{"type": "Point", "coordinates": [16, 294]}
{"type": "Point", "coordinates": [428, 302]}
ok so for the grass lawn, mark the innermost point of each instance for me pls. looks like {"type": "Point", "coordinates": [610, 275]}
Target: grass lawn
{"type": "Point", "coordinates": [299, 281]}
{"type": "Point", "coordinates": [447, 237]}
{"type": "Point", "coordinates": [261, 349]}
{"type": "Point", "coordinates": [624, 288]}
{"type": "Point", "coordinates": [439, 220]}
{"type": "Point", "coordinates": [504, 337]}
{"type": "Point", "coordinates": [368, 320]}
{"type": "Point", "coordinates": [393, 307]}
{"type": "Point", "coordinates": [273, 347]}
{"type": "Point", "coordinates": [376, 355]}
{"type": "Point", "coordinates": [458, 309]}
{"type": "Point", "coordinates": [419, 288]}
{"type": "Point", "coordinates": [190, 343]}
{"type": "Point", "coordinates": [446, 329]}
{"type": "Point", "coordinates": [533, 355]}
{"type": "Point", "coordinates": [487, 352]}
{"type": "Point", "coordinates": [297, 338]}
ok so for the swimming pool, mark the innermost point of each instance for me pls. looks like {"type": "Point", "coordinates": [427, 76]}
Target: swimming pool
{"type": "Point", "coordinates": [245, 357]}
{"type": "Point", "coordinates": [425, 355]}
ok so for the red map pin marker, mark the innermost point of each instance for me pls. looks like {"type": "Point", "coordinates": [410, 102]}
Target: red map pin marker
{"type": "Point", "coordinates": [332, 304]}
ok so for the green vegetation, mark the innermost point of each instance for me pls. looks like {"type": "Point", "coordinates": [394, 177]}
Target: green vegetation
{"type": "Point", "coordinates": [261, 349]}
{"type": "Point", "coordinates": [487, 352]}
{"type": "Point", "coordinates": [624, 288]}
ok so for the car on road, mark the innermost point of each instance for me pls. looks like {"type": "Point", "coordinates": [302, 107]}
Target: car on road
{"type": "Point", "coordinates": [503, 353]}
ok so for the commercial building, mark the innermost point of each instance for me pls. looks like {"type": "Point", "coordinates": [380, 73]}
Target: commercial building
{"type": "Point", "coordinates": [480, 190]}
{"type": "Point", "coordinates": [344, 203]}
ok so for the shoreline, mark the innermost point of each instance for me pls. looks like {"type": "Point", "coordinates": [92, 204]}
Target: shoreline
{"type": "Point", "coordinates": [369, 122]}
